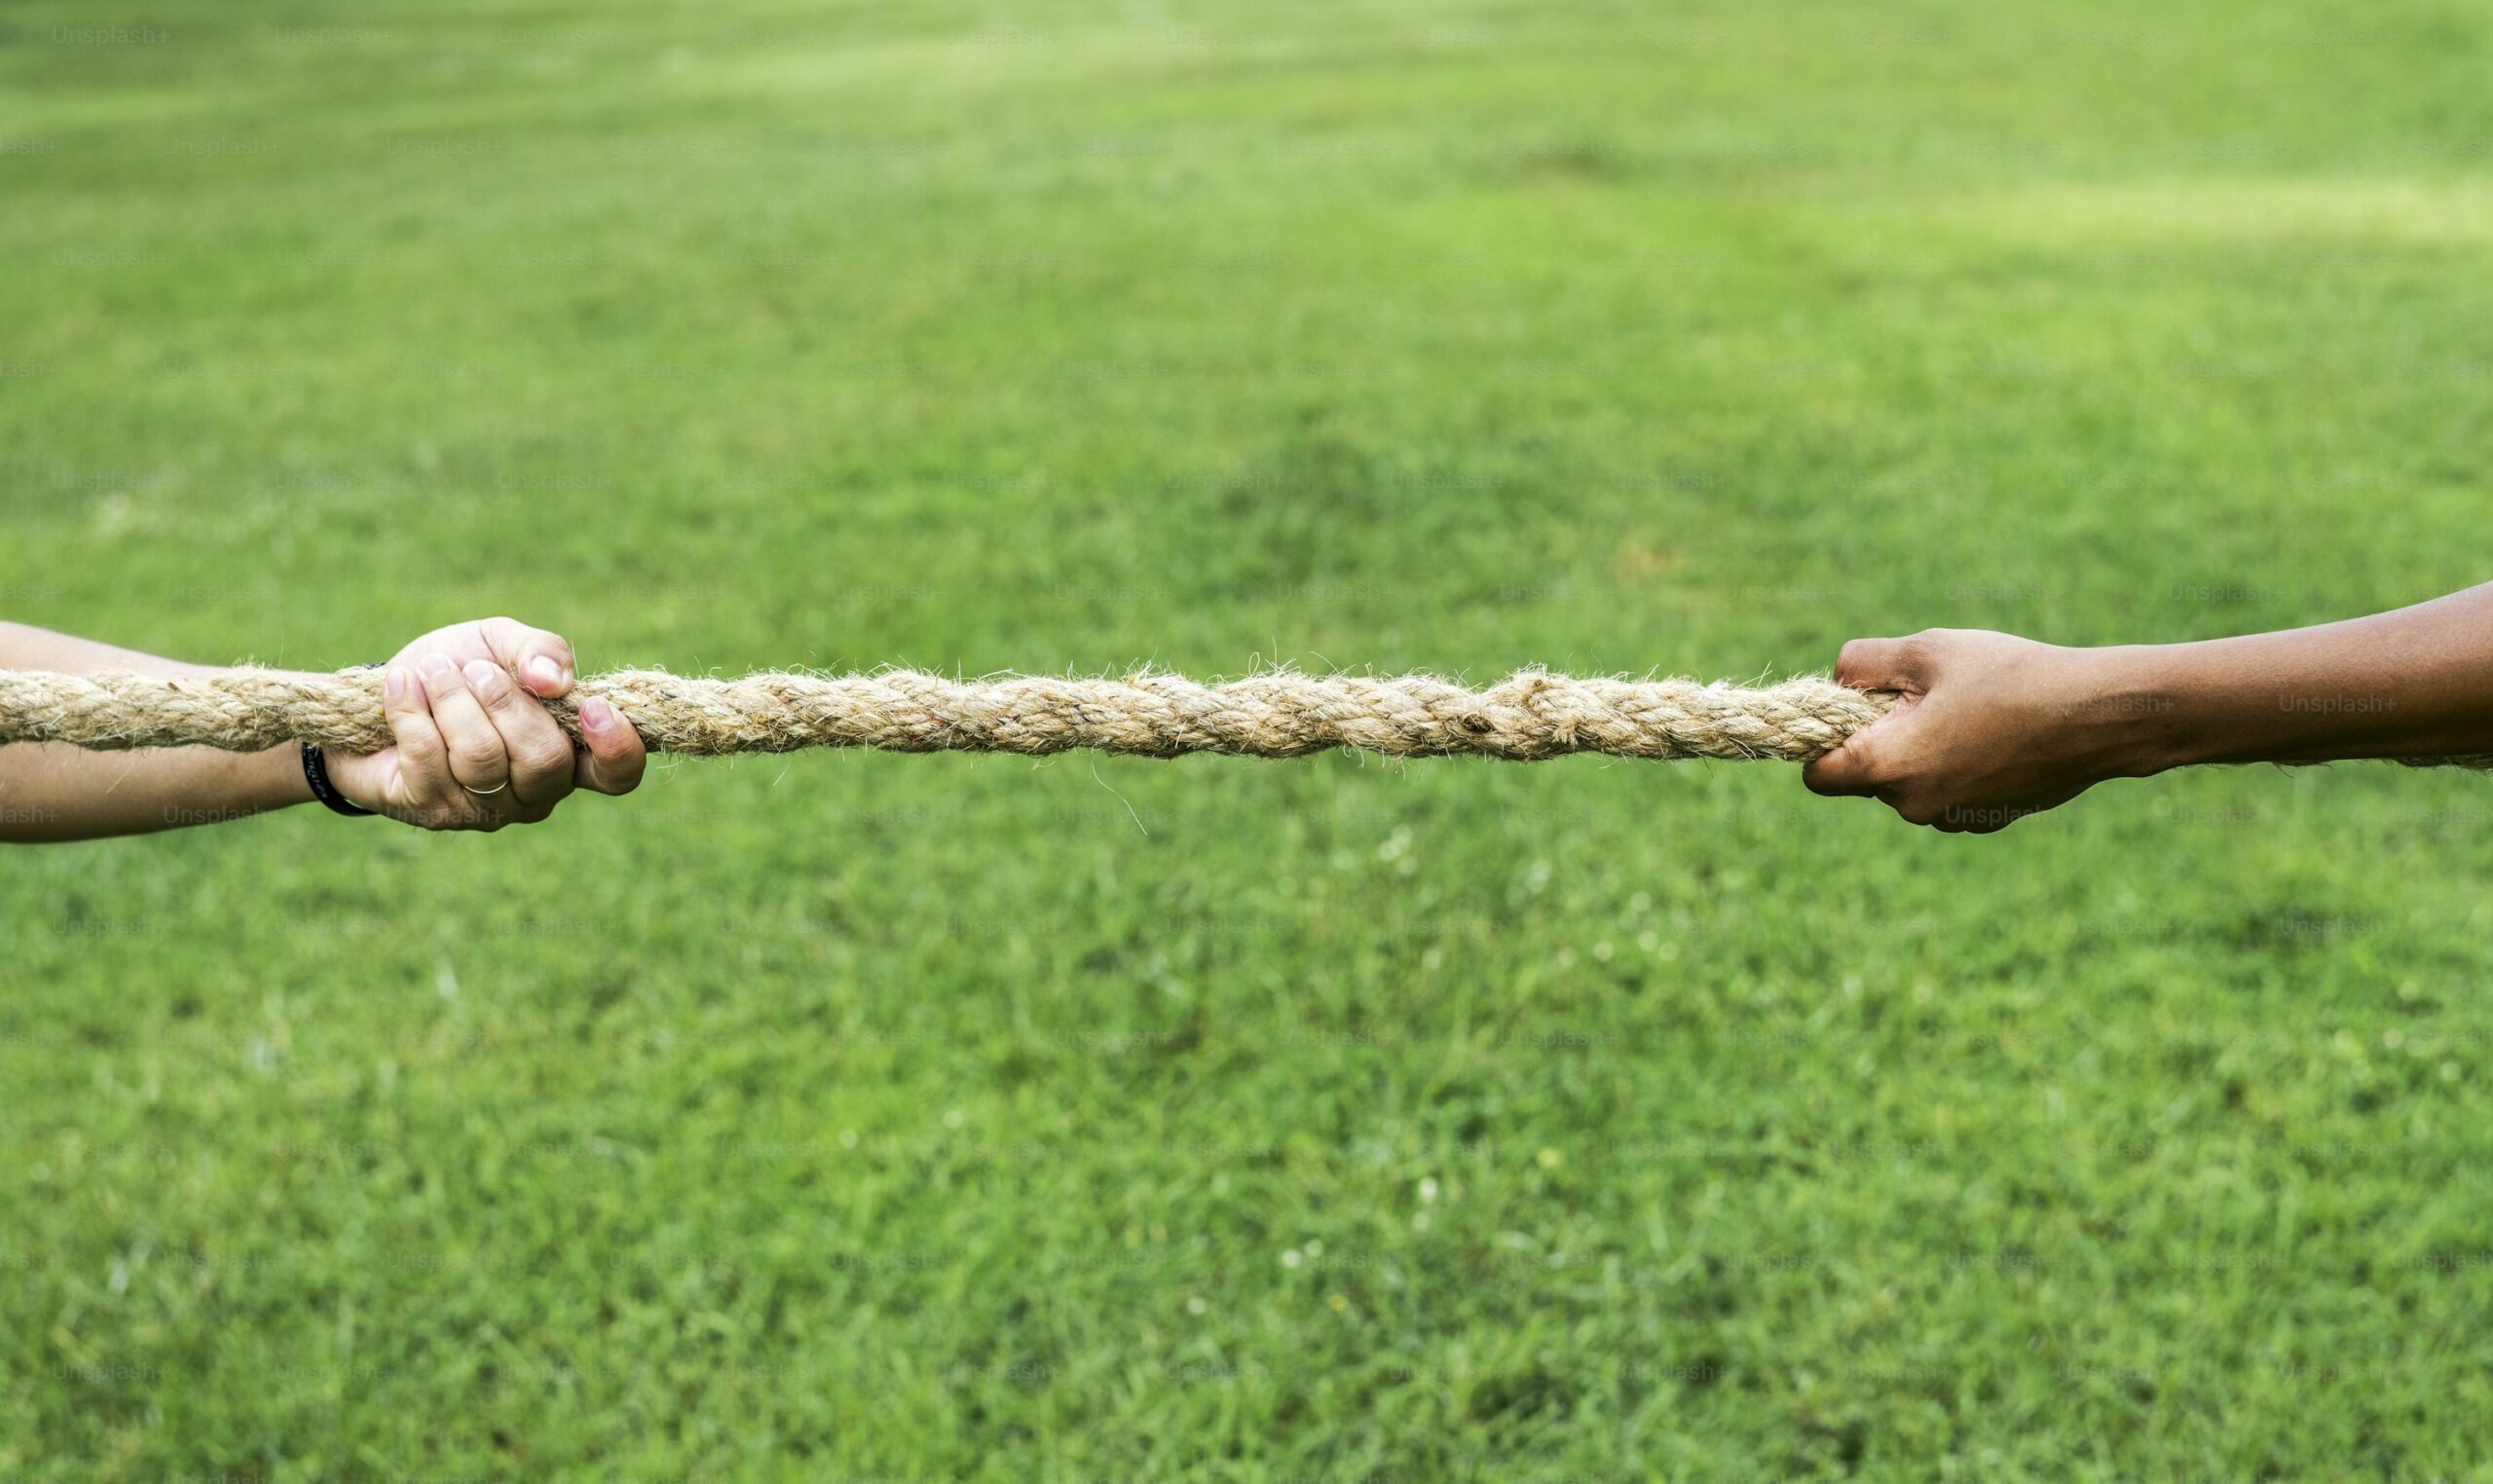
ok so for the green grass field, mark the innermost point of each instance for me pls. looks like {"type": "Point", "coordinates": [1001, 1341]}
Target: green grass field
{"type": "Point", "coordinates": [867, 1118]}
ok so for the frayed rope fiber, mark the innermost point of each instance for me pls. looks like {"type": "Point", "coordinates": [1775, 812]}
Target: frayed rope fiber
{"type": "Point", "coordinates": [1529, 714]}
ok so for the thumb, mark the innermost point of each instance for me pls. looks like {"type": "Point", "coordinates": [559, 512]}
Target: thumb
{"type": "Point", "coordinates": [1861, 765]}
{"type": "Point", "coordinates": [1854, 770]}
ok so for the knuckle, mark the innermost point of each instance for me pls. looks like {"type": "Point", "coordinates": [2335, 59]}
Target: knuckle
{"type": "Point", "coordinates": [542, 760]}
{"type": "Point", "coordinates": [422, 752]}
{"type": "Point", "coordinates": [1837, 772]}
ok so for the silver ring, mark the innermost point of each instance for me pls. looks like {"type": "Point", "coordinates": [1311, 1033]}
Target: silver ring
{"type": "Point", "coordinates": [487, 793]}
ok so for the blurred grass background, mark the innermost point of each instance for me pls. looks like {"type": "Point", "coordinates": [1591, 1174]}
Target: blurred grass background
{"type": "Point", "coordinates": [858, 1117]}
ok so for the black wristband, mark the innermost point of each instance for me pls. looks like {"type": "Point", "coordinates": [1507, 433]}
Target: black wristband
{"type": "Point", "coordinates": [315, 771]}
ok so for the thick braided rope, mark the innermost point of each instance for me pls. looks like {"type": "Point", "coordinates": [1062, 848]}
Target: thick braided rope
{"type": "Point", "coordinates": [1529, 714]}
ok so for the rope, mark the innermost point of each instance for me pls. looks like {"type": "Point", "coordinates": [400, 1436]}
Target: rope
{"type": "Point", "coordinates": [1529, 714]}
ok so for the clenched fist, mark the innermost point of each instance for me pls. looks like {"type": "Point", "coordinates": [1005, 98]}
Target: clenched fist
{"type": "Point", "coordinates": [1992, 727]}
{"type": "Point", "coordinates": [475, 751]}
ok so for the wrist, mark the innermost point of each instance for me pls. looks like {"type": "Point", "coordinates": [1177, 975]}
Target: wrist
{"type": "Point", "coordinates": [332, 784]}
{"type": "Point", "coordinates": [2131, 696]}
{"type": "Point", "coordinates": [323, 779]}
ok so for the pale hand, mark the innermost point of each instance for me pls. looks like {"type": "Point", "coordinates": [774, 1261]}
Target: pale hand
{"type": "Point", "coordinates": [475, 752]}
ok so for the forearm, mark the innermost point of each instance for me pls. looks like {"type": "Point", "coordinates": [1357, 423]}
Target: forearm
{"type": "Point", "coordinates": [1990, 727]}
{"type": "Point", "coordinates": [52, 792]}
{"type": "Point", "coordinates": [2415, 682]}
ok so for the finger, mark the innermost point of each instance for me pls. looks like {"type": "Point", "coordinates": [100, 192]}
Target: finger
{"type": "Point", "coordinates": [1882, 664]}
{"type": "Point", "coordinates": [1993, 821]}
{"type": "Point", "coordinates": [543, 661]}
{"type": "Point", "coordinates": [1915, 809]}
{"type": "Point", "coordinates": [616, 757]}
{"type": "Point", "coordinates": [477, 763]}
{"type": "Point", "coordinates": [1977, 819]}
{"type": "Point", "coordinates": [540, 755]}
{"type": "Point", "coordinates": [424, 761]}
{"type": "Point", "coordinates": [1853, 770]}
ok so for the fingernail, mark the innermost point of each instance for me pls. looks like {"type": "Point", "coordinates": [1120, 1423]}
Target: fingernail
{"type": "Point", "coordinates": [393, 683]}
{"type": "Point", "coordinates": [596, 715]}
{"type": "Point", "coordinates": [433, 666]}
{"type": "Point", "coordinates": [486, 678]}
{"type": "Point", "coordinates": [545, 672]}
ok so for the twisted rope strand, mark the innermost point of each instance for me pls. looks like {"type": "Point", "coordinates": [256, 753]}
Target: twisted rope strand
{"type": "Point", "coordinates": [1529, 714]}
